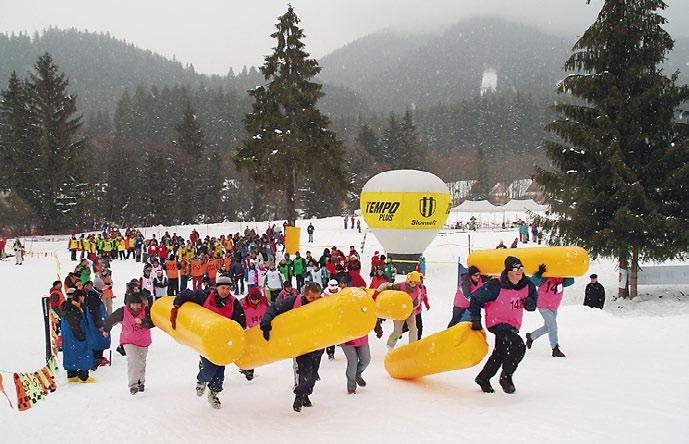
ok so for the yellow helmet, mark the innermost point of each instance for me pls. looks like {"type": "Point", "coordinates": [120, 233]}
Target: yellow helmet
{"type": "Point", "coordinates": [414, 277]}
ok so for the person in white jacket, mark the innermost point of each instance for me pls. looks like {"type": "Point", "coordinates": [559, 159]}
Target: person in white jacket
{"type": "Point", "coordinates": [272, 282]}
{"type": "Point", "coordinates": [18, 252]}
{"type": "Point", "coordinates": [159, 285]}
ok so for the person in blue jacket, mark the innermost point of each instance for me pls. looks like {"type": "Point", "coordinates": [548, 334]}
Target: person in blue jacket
{"type": "Point", "coordinates": [504, 300]}
{"type": "Point", "coordinates": [308, 363]}
{"type": "Point", "coordinates": [95, 318]}
{"type": "Point", "coordinates": [77, 357]}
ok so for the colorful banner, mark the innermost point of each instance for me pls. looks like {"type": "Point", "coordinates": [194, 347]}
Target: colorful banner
{"type": "Point", "coordinates": [2, 389]}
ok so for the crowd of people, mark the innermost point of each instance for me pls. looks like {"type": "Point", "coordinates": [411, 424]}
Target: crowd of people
{"type": "Point", "coordinates": [246, 278]}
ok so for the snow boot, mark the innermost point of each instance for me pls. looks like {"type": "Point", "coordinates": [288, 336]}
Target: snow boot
{"type": "Point", "coordinates": [141, 387]}
{"type": "Point", "coordinates": [200, 388]}
{"type": "Point", "coordinates": [360, 381]}
{"type": "Point", "coordinates": [507, 385]}
{"type": "Point", "coordinates": [88, 380]}
{"type": "Point", "coordinates": [120, 350]}
{"type": "Point", "coordinates": [248, 374]}
{"type": "Point", "coordinates": [305, 401]}
{"type": "Point", "coordinates": [351, 391]}
{"type": "Point", "coordinates": [213, 399]}
{"type": "Point", "coordinates": [297, 403]}
{"type": "Point", "coordinates": [134, 390]}
{"type": "Point", "coordinates": [73, 379]}
{"type": "Point", "coordinates": [484, 384]}
{"type": "Point", "coordinates": [557, 353]}
{"type": "Point", "coordinates": [529, 340]}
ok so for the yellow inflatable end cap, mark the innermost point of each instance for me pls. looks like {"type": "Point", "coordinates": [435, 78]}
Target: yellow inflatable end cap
{"type": "Point", "coordinates": [561, 261]}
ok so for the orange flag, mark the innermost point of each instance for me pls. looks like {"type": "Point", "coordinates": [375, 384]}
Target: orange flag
{"type": "Point", "coordinates": [2, 389]}
{"type": "Point", "coordinates": [23, 401]}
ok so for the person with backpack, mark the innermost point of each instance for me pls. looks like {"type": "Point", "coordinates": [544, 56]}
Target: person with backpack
{"type": "Point", "coordinates": [504, 299]}
{"type": "Point", "coordinates": [220, 301]}
{"type": "Point", "coordinates": [308, 363]}
{"type": "Point", "coordinates": [135, 337]}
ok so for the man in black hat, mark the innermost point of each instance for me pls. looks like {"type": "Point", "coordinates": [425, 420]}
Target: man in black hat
{"type": "Point", "coordinates": [504, 300]}
{"type": "Point", "coordinates": [595, 293]}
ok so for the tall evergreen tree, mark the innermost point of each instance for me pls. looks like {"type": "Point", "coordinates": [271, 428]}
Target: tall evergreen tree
{"type": "Point", "coordinates": [288, 136]}
{"type": "Point", "coordinates": [44, 149]}
{"type": "Point", "coordinates": [620, 177]}
{"type": "Point", "coordinates": [410, 153]}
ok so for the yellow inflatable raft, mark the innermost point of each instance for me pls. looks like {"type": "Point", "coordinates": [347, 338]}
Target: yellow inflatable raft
{"type": "Point", "coordinates": [392, 304]}
{"type": "Point", "coordinates": [218, 339]}
{"type": "Point", "coordinates": [561, 261]}
{"type": "Point", "coordinates": [456, 348]}
{"type": "Point", "coordinates": [335, 319]}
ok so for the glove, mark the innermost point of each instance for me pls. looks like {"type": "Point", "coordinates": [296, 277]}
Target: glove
{"type": "Point", "coordinates": [173, 317]}
{"type": "Point", "coordinates": [476, 324]}
{"type": "Point", "coordinates": [529, 304]}
{"type": "Point", "coordinates": [378, 329]}
{"type": "Point", "coordinates": [266, 333]}
{"type": "Point", "coordinates": [542, 269]}
{"type": "Point", "coordinates": [428, 306]}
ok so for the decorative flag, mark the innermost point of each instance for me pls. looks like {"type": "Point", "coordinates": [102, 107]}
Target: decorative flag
{"type": "Point", "coordinates": [2, 389]}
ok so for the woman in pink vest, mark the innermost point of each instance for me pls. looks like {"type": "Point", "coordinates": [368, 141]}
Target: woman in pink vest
{"type": "Point", "coordinates": [255, 306]}
{"type": "Point", "coordinates": [550, 292]}
{"type": "Point", "coordinates": [220, 301]}
{"type": "Point", "coordinates": [358, 356]}
{"type": "Point", "coordinates": [504, 300]}
{"type": "Point", "coordinates": [411, 286]}
{"type": "Point", "coordinates": [470, 282]}
{"type": "Point", "coordinates": [135, 337]}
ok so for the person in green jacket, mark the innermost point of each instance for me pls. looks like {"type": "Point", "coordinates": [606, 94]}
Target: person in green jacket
{"type": "Point", "coordinates": [285, 269]}
{"type": "Point", "coordinates": [299, 267]}
{"type": "Point", "coordinates": [83, 270]}
{"type": "Point", "coordinates": [389, 271]}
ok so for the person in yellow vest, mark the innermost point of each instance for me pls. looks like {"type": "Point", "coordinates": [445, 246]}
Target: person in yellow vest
{"type": "Point", "coordinates": [131, 245]}
{"type": "Point", "coordinates": [190, 253]}
{"type": "Point", "coordinates": [73, 246]}
{"type": "Point", "coordinates": [172, 271]}
{"type": "Point", "coordinates": [107, 247]}
{"type": "Point", "coordinates": [93, 251]}
{"type": "Point", "coordinates": [181, 253]}
{"type": "Point", "coordinates": [121, 247]}
{"type": "Point", "coordinates": [84, 246]}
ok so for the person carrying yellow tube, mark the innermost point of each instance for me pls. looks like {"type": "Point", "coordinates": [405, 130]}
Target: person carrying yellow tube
{"type": "Point", "coordinates": [308, 363]}
{"type": "Point", "coordinates": [220, 301]}
{"type": "Point", "coordinates": [410, 286]}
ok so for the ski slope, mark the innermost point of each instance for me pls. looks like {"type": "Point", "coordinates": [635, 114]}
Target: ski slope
{"type": "Point", "coordinates": [624, 378]}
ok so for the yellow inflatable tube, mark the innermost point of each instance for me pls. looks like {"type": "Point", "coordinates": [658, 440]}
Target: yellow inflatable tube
{"type": "Point", "coordinates": [456, 348]}
{"type": "Point", "coordinates": [218, 339]}
{"type": "Point", "coordinates": [335, 319]}
{"type": "Point", "coordinates": [392, 304]}
{"type": "Point", "coordinates": [561, 261]}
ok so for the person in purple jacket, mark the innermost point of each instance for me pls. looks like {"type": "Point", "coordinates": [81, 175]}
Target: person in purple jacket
{"type": "Point", "coordinates": [504, 300]}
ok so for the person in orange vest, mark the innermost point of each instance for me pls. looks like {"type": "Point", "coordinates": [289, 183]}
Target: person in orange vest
{"type": "Point", "coordinates": [184, 270]}
{"type": "Point", "coordinates": [212, 270]}
{"type": "Point", "coordinates": [196, 273]}
{"type": "Point", "coordinates": [103, 283]}
{"type": "Point", "coordinates": [55, 301]}
{"type": "Point", "coordinates": [172, 270]}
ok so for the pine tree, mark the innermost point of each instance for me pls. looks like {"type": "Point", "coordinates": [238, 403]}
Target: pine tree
{"type": "Point", "coordinates": [410, 153]}
{"type": "Point", "coordinates": [620, 177]}
{"type": "Point", "coordinates": [191, 174]}
{"type": "Point", "coordinates": [390, 144]}
{"type": "Point", "coordinates": [44, 148]}
{"type": "Point", "coordinates": [368, 139]}
{"type": "Point", "coordinates": [288, 136]}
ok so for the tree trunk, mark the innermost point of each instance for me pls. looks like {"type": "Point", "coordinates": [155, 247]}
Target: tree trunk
{"type": "Point", "coordinates": [291, 194]}
{"type": "Point", "coordinates": [622, 289]}
{"type": "Point", "coordinates": [633, 279]}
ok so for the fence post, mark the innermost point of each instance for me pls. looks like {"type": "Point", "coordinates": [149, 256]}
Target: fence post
{"type": "Point", "coordinates": [46, 324]}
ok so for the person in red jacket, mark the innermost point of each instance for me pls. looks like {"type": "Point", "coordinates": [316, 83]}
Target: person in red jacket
{"type": "Point", "coordinates": [255, 305]}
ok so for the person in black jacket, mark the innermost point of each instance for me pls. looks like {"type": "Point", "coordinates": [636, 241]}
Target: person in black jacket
{"type": "Point", "coordinates": [307, 364]}
{"type": "Point", "coordinates": [220, 301]}
{"type": "Point", "coordinates": [505, 300]}
{"type": "Point", "coordinates": [595, 293]}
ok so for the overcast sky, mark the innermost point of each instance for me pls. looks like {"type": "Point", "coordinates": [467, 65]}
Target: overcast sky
{"type": "Point", "coordinates": [217, 34]}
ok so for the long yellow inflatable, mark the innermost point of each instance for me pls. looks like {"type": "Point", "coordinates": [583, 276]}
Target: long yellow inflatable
{"type": "Point", "coordinates": [335, 319]}
{"type": "Point", "coordinates": [218, 339]}
{"type": "Point", "coordinates": [392, 304]}
{"type": "Point", "coordinates": [456, 348]}
{"type": "Point", "coordinates": [561, 261]}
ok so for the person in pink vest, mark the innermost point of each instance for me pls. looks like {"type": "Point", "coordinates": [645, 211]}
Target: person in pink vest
{"type": "Point", "coordinates": [255, 306]}
{"type": "Point", "coordinates": [550, 292]}
{"type": "Point", "coordinates": [218, 300]}
{"type": "Point", "coordinates": [308, 363]}
{"type": "Point", "coordinates": [469, 283]}
{"type": "Point", "coordinates": [411, 286]}
{"type": "Point", "coordinates": [504, 300]}
{"type": "Point", "coordinates": [358, 356]}
{"type": "Point", "coordinates": [135, 336]}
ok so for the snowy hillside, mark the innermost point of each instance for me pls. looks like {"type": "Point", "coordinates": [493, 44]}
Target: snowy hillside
{"type": "Point", "coordinates": [624, 378]}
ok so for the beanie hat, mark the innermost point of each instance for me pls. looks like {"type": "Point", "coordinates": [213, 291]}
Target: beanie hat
{"type": "Point", "coordinates": [594, 276]}
{"type": "Point", "coordinates": [255, 293]}
{"type": "Point", "coordinates": [132, 298]}
{"type": "Point", "coordinates": [223, 280]}
{"type": "Point", "coordinates": [332, 283]}
{"type": "Point", "coordinates": [473, 270]}
{"type": "Point", "coordinates": [511, 262]}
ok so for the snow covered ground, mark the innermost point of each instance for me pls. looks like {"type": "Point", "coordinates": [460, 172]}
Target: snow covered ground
{"type": "Point", "coordinates": [624, 378]}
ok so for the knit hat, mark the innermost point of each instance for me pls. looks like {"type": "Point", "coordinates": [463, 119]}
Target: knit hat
{"type": "Point", "coordinates": [511, 262]}
{"type": "Point", "coordinates": [473, 270]}
{"type": "Point", "coordinates": [332, 283]}
{"type": "Point", "coordinates": [70, 291]}
{"type": "Point", "coordinates": [594, 276]}
{"type": "Point", "coordinates": [223, 280]}
{"type": "Point", "coordinates": [132, 298]}
{"type": "Point", "coordinates": [255, 293]}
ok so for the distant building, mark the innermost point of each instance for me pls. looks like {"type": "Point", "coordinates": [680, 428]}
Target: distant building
{"type": "Point", "coordinates": [535, 192]}
{"type": "Point", "coordinates": [498, 194]}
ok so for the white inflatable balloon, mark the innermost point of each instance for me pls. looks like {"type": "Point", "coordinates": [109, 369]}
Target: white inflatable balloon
{"type": "Point", "coordinates": [405, 209]}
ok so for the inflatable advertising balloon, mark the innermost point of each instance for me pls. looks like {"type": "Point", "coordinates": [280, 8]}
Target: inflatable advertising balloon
{"type": "Point", "coordinates": [405, 209]}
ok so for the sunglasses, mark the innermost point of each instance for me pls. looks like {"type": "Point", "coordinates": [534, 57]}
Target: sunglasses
{"type": "Point", "coordinates": [518, 268]}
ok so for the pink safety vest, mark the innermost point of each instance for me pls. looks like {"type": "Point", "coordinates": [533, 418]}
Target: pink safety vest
{"type": "Point", "coordinates": [460, 300]}
{"type": "Point", "coordinates": [550, 293]}
{"type": "Point", "coordinates": [133, 333]}
{"type": "Point", "coordinates": [254, 314]}
{"type": "Point", "coordinates": [297, 301]}
{"type": "Point", "coordinates": [508, 308]}
{"type": "Point", "coordinates": [414, 294]}
{"type": "Point", "coordinates": [225, 311]}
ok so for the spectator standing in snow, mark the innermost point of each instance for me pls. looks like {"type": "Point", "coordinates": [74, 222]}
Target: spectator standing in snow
{"type": "Point", "coordinates": [504, 300]}
{"type": "Point", "coordinates": [159, 285]}
{"type": "Point", "coordinates": [18, 252]}
{"type": "Point", "coordinates": [345, 222]}
{"type": "Point", "coordinates": [309, 230]}
{"type": "Point", "coordinates": [595, 293]}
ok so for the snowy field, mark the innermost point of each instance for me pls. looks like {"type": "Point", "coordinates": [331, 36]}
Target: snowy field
{"type": "Point", "coordinates": [625, 378]}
